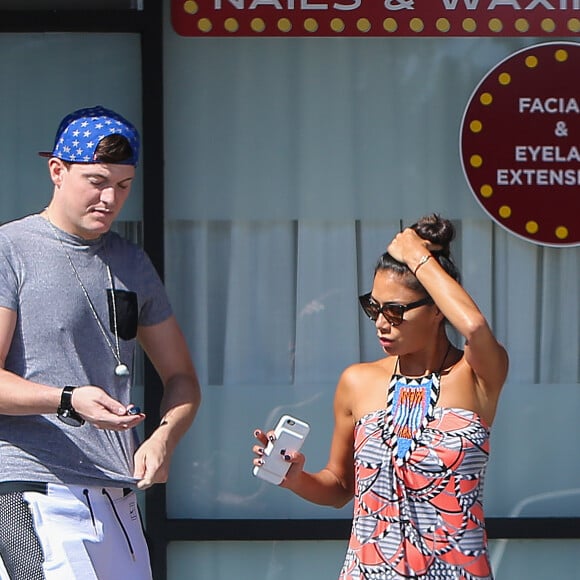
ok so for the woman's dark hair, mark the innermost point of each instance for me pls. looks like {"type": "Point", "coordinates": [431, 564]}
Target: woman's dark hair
{"type": "Point", "coordinates": [439, 231]}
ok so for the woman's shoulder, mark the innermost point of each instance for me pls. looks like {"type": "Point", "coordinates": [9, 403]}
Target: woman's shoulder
{"type": "Point", "coordinates": [362, 386]}
{"type": "Point", "coordinates": [365, 372]}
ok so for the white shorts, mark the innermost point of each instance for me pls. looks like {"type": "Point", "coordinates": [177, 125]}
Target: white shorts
{"type": "Point", "coordinates": [58, 532]}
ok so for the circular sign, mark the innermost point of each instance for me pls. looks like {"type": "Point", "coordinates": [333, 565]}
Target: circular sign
{"type": "Point", "coordinates": [520, 144]}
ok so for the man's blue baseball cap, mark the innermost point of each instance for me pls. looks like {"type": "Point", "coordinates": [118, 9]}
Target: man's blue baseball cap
{"type": "Point", "coordinates": [80, 132]}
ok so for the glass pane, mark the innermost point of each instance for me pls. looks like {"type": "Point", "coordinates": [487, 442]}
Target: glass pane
{"type": "Point", "coordinates": [93, 69]}
{"type": "Point", "coordinates": [320, 560]}
{"type": "Point", "coordinates": [71, 5]}
{"type": "Point", "coordinates": [513, 559]}
{"type": "Point", "coordinates": [211, 476]}
{"type": "Point", "coordinates": [283, 154]}
{"type": "Point", "coordinates": [535, 436]}
{"type": "Point", "coordinates": [277, 339]}
{"type": "Point", "coordinates": [327, 128]}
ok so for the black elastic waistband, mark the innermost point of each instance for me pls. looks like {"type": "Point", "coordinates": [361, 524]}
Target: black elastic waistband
{"type": "Point", "coordinates": [38, 486]}
{"type": "Point", "coordinates": [21, 486]}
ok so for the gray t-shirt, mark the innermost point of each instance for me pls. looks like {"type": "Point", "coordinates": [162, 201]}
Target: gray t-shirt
{"type": "Point", "coordinates": [57, 341]}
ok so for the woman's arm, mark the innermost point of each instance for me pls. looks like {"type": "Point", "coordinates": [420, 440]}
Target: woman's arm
{"type": "Point", "coordinates": [484, 354]}
{"type": "Point", "coordinates": [334, 484]}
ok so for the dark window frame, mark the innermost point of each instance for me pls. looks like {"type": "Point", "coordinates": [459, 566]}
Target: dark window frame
{"type": "Point", "coordinates": [148, 23]}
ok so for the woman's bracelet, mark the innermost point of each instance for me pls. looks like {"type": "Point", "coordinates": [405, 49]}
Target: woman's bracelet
{"type": "Point", "coordinates": [422, 261]}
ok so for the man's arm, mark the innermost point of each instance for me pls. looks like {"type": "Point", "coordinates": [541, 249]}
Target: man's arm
{"type": "Point", "coordinates": [19, 396]}
{"type": "Point", "coordinates": [167, 349]}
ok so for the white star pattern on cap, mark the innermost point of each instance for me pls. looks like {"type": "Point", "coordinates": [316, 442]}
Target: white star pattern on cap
{"type": "Point", "coordinates": [80, 133]}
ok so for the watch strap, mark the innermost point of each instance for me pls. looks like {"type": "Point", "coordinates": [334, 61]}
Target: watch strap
{"type": "Point", "coordinates": [66, 398]}
{"type": "Point", "coordinates": [66, 412]}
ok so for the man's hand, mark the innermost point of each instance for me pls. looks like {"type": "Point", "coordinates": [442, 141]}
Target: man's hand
{"type": "Point", "coordinates": [152, 462]}
{"type": "Point", "coordinates": [102, 411]}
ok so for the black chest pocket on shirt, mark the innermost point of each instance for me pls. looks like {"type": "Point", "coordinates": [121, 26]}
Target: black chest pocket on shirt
{"type": "Point", "coordinates": [125, 310]}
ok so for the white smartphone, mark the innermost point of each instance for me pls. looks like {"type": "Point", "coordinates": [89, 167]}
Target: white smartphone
{"type": "Point", "coordinates": [290, 434]}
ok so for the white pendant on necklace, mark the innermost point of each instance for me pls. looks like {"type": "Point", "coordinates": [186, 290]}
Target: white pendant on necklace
{"type": "Point", "coordinates": [122, 370]}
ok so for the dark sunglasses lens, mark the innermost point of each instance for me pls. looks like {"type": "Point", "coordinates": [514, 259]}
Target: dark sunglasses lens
{"type": "Point", "coordinates": [394, 314]}
{"type": "Point", "coordinates": [370, 308]}
{"type": "Point", "coordinates": [372, 311]}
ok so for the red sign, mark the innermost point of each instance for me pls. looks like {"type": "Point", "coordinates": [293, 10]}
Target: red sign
{"type": "Point", "coordinates": [520, 144]}
{"type": "Point", "coordinates": [376, 17]}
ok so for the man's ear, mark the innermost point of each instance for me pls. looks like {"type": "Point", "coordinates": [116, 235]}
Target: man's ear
{"type": "Point", "coordinates": [56, 169]}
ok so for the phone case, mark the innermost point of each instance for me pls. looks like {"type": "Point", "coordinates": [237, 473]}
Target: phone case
{"type": "Point", "coordinates": [290, 434]}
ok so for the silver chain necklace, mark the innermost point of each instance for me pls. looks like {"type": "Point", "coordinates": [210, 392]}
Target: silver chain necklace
{"type": "Point", "coordinates": [121, 370]}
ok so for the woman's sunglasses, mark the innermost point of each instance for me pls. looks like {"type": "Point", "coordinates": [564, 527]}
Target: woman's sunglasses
{"type": "Point", "coordinates": [392, 311]}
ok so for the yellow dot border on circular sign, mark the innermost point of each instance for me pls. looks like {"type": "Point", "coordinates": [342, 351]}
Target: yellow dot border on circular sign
{"type": "Point", "coordinates": [504, 79]}
{"type": "Point", "coordinates": [476, 161]}
{"type": "Point", "coordinates": [486, 190]}
{"type": "Point", "coordinates": [476, 126]}
{"type": "Point", "coordinates": [486, 99]}
{"type": "Point", "coordinates": [531, 61]}
{"type": "Point", "coordinates": [505, 212]}
{"type": "Point", "coordinates": [532, 227]}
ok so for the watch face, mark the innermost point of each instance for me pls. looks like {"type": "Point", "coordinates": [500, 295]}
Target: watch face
{"type": "Point", "coordinates": [70, 418]}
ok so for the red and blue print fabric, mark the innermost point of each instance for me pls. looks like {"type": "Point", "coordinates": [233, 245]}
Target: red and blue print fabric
{"type": "Point", "coordinates": [418, 513]}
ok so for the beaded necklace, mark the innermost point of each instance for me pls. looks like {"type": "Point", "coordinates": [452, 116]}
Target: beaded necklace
{"type": "Point", "coordinates": [410, 405]}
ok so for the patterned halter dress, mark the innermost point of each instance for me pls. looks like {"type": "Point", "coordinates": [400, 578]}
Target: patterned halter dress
{"type": "Point", "coordinates": [419, 472]}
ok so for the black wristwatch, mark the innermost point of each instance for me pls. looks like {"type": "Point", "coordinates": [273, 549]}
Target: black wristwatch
{"type": "Point", "coordinates": [66, 412]}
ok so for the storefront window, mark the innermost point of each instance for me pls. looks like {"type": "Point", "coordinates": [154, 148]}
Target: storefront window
{"type": "Point", "coordinates": [71, 5]}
